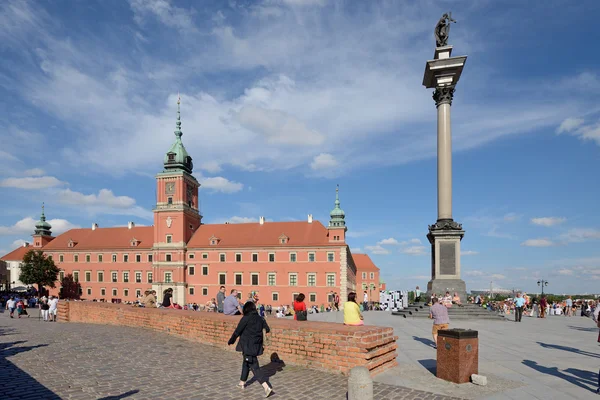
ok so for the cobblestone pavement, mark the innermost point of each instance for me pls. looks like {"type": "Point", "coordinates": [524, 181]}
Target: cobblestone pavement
{"type": "Point", "coordinates": [47, 361]}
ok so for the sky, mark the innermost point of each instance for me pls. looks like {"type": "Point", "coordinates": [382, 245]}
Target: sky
{"type": "Point", "coordinates": [281, 100]}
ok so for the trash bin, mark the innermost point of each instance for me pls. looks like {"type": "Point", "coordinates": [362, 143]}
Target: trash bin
{"type": "Point", "coordinates": [457, 355]}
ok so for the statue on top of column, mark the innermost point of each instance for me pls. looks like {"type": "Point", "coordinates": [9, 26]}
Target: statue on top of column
{"type": "Point", "coordinates": [442, 30]}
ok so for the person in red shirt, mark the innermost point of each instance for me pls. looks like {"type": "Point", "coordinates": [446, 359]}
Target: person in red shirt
{"type": "Point", "coordinates": [543, 305]}
{"type": "Point", "coordinates": [300, 308]}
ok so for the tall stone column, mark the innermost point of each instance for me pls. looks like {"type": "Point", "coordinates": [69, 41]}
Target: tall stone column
{"type": "Point", "coordinates": [442, 74]}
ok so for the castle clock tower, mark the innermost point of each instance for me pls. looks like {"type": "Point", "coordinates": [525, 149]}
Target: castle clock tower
{"type": "Point", "coordinates": [176, 218]}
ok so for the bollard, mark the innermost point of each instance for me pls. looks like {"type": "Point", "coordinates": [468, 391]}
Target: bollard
{"type": "Point", "coordinates": [360, 384]}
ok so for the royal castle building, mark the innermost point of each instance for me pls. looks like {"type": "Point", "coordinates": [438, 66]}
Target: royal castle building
{"type": "Point", "coordinates": [276, 259]}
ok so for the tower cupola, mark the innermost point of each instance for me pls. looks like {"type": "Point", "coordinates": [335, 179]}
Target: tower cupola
{"type": "Point", "coordinates": [337, 214]}
{"type": "Point", "coordinates": [42, 227]}
{"type": "Point", "coordinates": [177, 158]}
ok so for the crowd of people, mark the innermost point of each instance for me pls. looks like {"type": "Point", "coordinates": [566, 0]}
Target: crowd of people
{"type": "Point", "coordinates": [18, 303]}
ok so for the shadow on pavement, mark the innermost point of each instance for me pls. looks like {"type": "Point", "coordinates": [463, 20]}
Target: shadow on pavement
{"type": "Point", "coordinates": [569, 349]}
{"type": "Point", "coordinates": [577, 377]}
{"type": "Point", "coordinates": [425, 341]}
{"type": "Point", "coordinates": [15, 382]}
{"type": "Point", "coordinates": [121, 396]}
{"type": "Point", "coordinates": [580, 328]}
{"type": "Point", "coordinates": [430, 365]}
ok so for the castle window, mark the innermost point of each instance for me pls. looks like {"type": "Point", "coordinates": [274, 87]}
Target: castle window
{"type": "Point", "coordinates": [204, 291]}
{"type": "Point", "coordinates": [330, 257]}
{"type": "Point", "coordinates": [61, 258]}
{"type": "Point", "coordinates": [76, 258]}
{"type": "Point", "coordinates": [238, 257]}
{"type": "Point", "coordinates": [88, 258]}
{"type": "Point", "coordinates": [205, 270]}
{"type": "Point", "coordinates": [168, 277]}
{"type": "Point", "coordinates": [99, 258]}
{"type": "Point", "coordinates": [169, 239]}
{"type": "Point", "coordinates": [168, 257]}
{"type": "Point", "coordinates": [138, 277]}
{"type": "Point", "coordinates": [222, 257]}
{"type": "Point", "coordinates": [238, 279]}
{"type": "Point", "coordinates": [76, 276]}
{"type": "Point", "coordinates": [191, 291]}
{"type": "Point", "coordinates": [149, 277]}
{"type": "Point", "coordinates": [292, 257]}
{"type": "Point", "coordinates": [271, 257]}
{"type": "Point", "coordinates": [254, 257]}
{"type": "Point", "coordinates": [171, 157]}
{"type": "Point", "coordinates": [169, 200]}
{"type": "Point", "coordinates": [311, 257]}
{"type": "Point", "coordinates": [191, 270]}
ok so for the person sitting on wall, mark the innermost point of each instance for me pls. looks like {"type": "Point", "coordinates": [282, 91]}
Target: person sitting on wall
{"type": "Point", "coordinates": [352, 315]}
{"type": "Point", "coordinates": [456, 300]}
{"type": "Point", "coordinates": [231, 305]}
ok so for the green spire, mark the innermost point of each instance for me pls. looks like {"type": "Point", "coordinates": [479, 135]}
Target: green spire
{"type": "Point", "coordinates": [177, 158]}
{"type": "Point", "coordinates": [42, 227]}
{"type": "Point", "coordinates": [337, 214]}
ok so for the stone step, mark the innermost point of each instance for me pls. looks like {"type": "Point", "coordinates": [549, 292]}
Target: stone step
{"type": "Point", "coordinates": [490, 315]}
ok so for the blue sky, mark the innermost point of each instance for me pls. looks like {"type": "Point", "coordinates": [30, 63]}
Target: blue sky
{"type": "Point", "coordinates": [282, 100]}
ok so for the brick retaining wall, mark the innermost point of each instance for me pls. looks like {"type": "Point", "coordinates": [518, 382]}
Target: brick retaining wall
{"type": "Point", "coordinates": [320, 345]}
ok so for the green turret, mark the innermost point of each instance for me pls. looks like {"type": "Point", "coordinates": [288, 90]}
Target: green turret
{"type": "Point", "coordinates": [337, 214]}
{"type": "Point", "coordinates": [42, 227]}
{"type": "Point", "coordinates": [177, 158]}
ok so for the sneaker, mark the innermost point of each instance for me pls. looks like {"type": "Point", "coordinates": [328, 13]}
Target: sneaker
{"type": "Point", "coordinates": [241, 386]}
{"type": "Point", "coordinates": [268, 392]}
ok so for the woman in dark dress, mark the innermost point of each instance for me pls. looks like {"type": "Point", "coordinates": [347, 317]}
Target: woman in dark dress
{"type": "Point", "coordinates": [250, 332]}
{"type": "Point", "coordinates": [167, 299]}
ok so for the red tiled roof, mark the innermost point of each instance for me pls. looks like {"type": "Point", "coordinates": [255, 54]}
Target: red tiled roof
{"type": "Point", "coordinates": [18, 253]}
{"type": "Point", "coordinates": [363, 262]}
{"type": "Point", "coordinates": [104, 238]}
{"type": "Point", "coordinates": [299, 233]}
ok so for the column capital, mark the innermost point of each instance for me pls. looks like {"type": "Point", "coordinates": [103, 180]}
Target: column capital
{"type": "Point", "coordinates": [443, 95]}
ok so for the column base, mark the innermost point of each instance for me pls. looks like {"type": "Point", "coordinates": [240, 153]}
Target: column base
{"type": "Point", "coordinates": [440, 286]}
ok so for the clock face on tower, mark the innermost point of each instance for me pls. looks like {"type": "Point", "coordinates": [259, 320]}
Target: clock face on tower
{"type": "Point", "coordinates": [170, 188]}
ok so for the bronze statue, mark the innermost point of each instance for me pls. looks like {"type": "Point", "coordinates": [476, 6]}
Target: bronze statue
{"type": "Point", "coordinates": [442, 30]}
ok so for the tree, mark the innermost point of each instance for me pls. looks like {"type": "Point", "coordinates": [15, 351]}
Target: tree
{"type": "Point", "coordinates": [70, 288]}
{"type": "Point", "coordinates": [39, 270]}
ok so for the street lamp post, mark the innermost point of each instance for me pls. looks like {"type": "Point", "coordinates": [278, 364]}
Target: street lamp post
{"type": "Point", "coordinates": [542, 283]}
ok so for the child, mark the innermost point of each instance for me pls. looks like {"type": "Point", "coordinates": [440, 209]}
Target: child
{"type": "Point", "coordinates": [250, 332]}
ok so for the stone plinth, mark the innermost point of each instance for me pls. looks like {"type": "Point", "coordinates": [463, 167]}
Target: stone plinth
{"type": "Point", "coordinates": [319, 345]}
{"type": "Point", "coordinates": [457, 355]}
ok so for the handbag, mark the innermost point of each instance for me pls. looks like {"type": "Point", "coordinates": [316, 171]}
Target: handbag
{"type": "Point", "coordinates": [301, 315]}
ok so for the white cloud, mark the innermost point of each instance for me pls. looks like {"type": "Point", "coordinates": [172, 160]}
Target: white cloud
{"type": "Point", "coordinates": [565, 271]}
{"type": "Point", "coordinates": [344, 88]}
{"type": "Point", "coordinates": [211, 166]}
{"type": "Point", "coordinates": [220, 184]}
{"type": "Point", "coordinates": [548, 221]}
{"type": "Point", "coordinates": [27, 226]}
{"type": "Point", "coordinates": [377, 249]}
{"type": "Point", "coordinates": [241, 220]}
{"type": "Point", "coordinates": [538, 243]}
{"type": "Point", "coordinates": [580, 235]}
{"type": "Point", "coordinates": [278, 127]}
{"type": "Point", "coordinates": [105, 197]}
{"type": "Point", "coordinates": [105, 202]}
{"type": "Point", "coordinates": [497, 276]}
{"type": "Point", "coordinates": [34, 172]}
{"type": "Point", "coordinates": [569, 125]}
{"type": "Point", "coordinates": [355, 250]}
{"type": "Point", "coordinates": [390, 241]}
{"type": "Point", "coordinates": [511, 217]}
{"type": "Point", "coordinates": [411, 241]}
{"type": "Point", "coordinates": [357, 234]}
{"type": "Point", "coordinates": [42, 182]}
{"type": "Point", "coordinates": [414, 250]}
{"type": "Point", "coordinates": [474, 273]}
{"type": "Point", "coordinates": [323, 161]}
{"type": "Point", "coordinates": [164, 12]}
{"type": "Point", "coordinates": [19, 243]}
{"type": "Point", "coordinates": [577, 127]}
{"type": "Point", "coordinates": [468, 253]}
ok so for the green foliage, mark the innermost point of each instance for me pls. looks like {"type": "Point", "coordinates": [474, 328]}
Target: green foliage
{"type": "Point", "coordinates": [411, 296]}
{"type": "Point", "coordinates": [70, 288]}
{"type": "Point", "coordinates": [37, 269]}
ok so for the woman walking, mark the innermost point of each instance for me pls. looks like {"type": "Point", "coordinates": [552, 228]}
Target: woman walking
{"type": "Point", "coordinates": [44, 307]}
{"type": "Point", "coordinates": [250, 332]}
{"type": "Point", "coordinates": [352, 315]}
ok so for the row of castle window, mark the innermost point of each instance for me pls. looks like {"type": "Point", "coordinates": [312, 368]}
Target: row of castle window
{"type": "Point", "coordinates": [311, 278]}
{"type": "Point", "coordinates": [371, 275]}
{"type": "Point", "coordinates": [293, 257]}
{"type": "Point", "coordinates": [114, 276]}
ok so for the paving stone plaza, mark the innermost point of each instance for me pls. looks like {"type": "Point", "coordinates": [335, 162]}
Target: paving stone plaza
{"type": "Point", "coordinates": [556, 358]}
{"type": "Point", "coordinates": [83, 361]}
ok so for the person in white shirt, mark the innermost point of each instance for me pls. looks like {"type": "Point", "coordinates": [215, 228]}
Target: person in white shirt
{"type": "Point", "coordinates": [365, 301]}
{"type": "Point", "coordinates": [11, 305]}
{"type": "Point", "coordinates": [53, 303]}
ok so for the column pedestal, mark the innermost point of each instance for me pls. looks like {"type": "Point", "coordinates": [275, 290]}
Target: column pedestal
{"type": "Point", "coordinates": [445, 237]}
